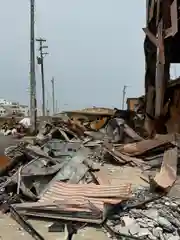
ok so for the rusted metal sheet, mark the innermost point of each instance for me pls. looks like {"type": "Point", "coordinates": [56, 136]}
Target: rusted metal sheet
{"type": "Point", "coordinates": [122, 158]}
{"type": "Point", "coordinates": [98, 124]}
{"type": "Point", "coordinates": [91, 190]}
{"type": "Point", "coordinates": [63, 216]}
{"type": "Point", "coordinates": [67, 205]}
{"type": "Point", "coordinates": [134, 149]}
{"type": "Point", "coordinates": [167, 175]}
{"type": "Point", "coordinates": [78, 201]}
{"type": "Point", "coordinates": [115, 153]}
{"type": "Point", "coordinates": [4, 161]}
{"type": "Point", "coordinates": [60, 210]}
{"type": "Point", "coordinates": [132, 160]}
{"type": "Point", "coordinates": [74, 204]}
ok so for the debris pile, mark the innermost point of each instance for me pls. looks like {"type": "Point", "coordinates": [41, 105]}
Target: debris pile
{"type": "Point", "coordinates": [63, 177]}
{"type": "Point", "coordinates": [148, 217]}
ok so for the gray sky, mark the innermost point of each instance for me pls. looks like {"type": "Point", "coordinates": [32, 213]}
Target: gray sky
{"type": "Point", "coordinates": [96, 46]}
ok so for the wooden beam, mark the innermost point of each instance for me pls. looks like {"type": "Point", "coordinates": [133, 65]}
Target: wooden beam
{"type": "Point", "coordinates": [151, 10]}
{"type": "Point", "coordinates": [151, 36]}
{"type": "Point", "coordinates": [157, 11]}
{"type": "Point", "coordinates": [159, 81]}
{"type": "Point", "coordinates": [174, 17]}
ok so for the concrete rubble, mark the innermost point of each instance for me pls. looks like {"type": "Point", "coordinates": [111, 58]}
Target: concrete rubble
{"type": "Point", "coordinates": [61, 176]}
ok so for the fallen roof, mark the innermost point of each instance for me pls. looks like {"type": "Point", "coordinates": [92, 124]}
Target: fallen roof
{"type": "Point", "coordinates": [92, 111]}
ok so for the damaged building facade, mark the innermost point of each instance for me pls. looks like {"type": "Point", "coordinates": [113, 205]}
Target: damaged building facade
{"type": "Point", "coordinates": [162, 49]}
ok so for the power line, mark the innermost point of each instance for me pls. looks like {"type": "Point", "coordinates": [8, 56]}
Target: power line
{"type": "Point", "coordinates": [33, 101]}
{"type": "Point", "coordinates": [40, 60]}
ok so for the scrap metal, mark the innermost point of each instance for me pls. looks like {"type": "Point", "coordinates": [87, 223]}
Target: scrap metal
{"type": "Point", "coordinates": [69, 211]}
{"type": "Point", "coordinates": [94, 193]}
{"type": "Point", "coordinates": [62, 176]}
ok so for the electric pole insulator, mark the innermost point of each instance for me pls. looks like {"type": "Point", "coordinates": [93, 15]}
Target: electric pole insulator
{"type": "Point", "coordinates": [39, 60]}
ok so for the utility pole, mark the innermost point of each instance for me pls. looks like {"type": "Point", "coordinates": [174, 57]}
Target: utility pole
{"type": "Point", "coordinates": [124, 94]}
{"type": "Point", "coordinates": [53, 96]}
{"type": "Point", "coordinates": [56, 109]}
{"type": "Point", "coordinates": [33, 103]}
{"type": "Point", "coordinates": [41, 62]}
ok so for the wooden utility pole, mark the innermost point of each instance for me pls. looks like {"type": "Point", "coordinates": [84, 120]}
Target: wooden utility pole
{"type": "Point", "coordinates": [33, 103]}
{"type": "Point", "coordinates": [53, 96]}
{"type": "Point", "coordinates": [41, 62]}
{"type": "Point", "coordinates": [124, 94]}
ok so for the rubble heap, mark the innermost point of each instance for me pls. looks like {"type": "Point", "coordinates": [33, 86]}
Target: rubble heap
{"type": "Point", "coordinates": [63, 176]}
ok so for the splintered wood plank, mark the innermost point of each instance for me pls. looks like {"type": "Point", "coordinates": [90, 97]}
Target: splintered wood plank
{"type": "Point", "coordinates": [174, 17]}
{"type": "Point", "coordinates": [168, 173]}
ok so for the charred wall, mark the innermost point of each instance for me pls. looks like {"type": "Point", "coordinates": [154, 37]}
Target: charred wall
{"type": "Point", "coordinates": [161, 48]}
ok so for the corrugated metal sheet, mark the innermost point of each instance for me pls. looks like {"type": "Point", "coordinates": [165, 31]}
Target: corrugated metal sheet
{"type": "Point", "coordinates": [70, 205]}
{"type": "Point", "coordinates": [60, 210]}
{"type": "Point", "coordinates": [75, 202]}
{"type": "Point", "coordinates": [83, 202]}
{"type": "Point", "coordinates": [85, 194]}
{"type": "Point", "coordinates": [89, 190]}
{"type": "Point", "coordinates": [98, 202]}
{"type": "Point", "coordinates": [74, 199]}
{"type": "Point", "coordinates": [67, 203]}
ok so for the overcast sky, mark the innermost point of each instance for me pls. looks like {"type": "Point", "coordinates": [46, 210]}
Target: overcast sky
{"type": "Point", "coordinates": [95, 46]}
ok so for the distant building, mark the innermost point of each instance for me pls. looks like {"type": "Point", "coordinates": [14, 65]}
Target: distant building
{"type": "Point", "coordinates": [9, 108]}
{"type": "Point", "coordinates": [132, 103]}
{"type": "Point", "coordinates": [4, 102]}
